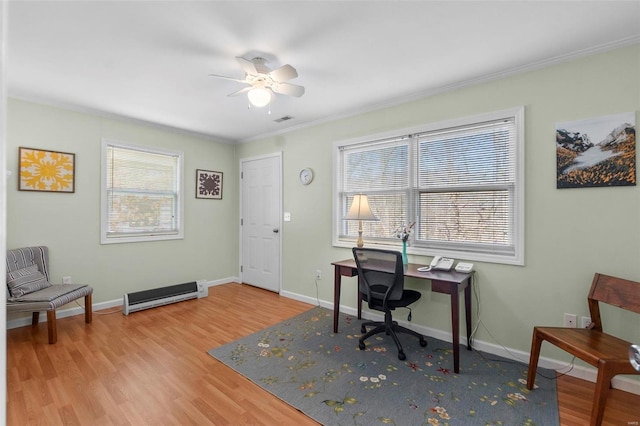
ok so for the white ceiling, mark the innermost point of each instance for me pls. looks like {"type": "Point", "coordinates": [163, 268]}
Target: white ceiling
{"type": "Point", "coordinates": [150, 60]}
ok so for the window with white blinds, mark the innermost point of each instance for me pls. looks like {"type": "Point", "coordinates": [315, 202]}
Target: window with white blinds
{"type": "Point", "coordinates": [460, 183]}
{"type": "Point", "coordinates": [141, 193]}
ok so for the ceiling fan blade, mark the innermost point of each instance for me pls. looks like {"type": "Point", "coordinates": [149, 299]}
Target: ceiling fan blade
{"type": "Point", "coordinates": [228, 78]}
{"type": "Point", "coordinates": [288, 89]}
{"type": "Point", "coordinates": [241, 91]}
{"type": "Point", "coordinates": [284, 73]}
{"type": "Point", "coordinates": [247, 66]}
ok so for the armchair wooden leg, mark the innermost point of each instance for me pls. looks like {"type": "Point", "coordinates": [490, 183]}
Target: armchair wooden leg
{"type": "Point", "coordinates": [536, 343]}
{"type": "Point", "coordinates": [603, 383]}
{"type": "Point", "coordinates": [35, 318]}
{"type": "Point", "coordinates": [51, 326]}
{"type": "Point", "coordinates": [88, 312]}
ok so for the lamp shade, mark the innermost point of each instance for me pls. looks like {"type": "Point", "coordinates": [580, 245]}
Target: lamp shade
{"type": "Point", "coordinates": [259, 96]}
{"type": "Point", "coordinates": [360, 209]}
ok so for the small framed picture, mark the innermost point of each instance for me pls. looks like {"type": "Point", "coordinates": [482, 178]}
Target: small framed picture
{"type": "Point", "coordinates": [208, 184]}
{"type": "Point", "coordinates": [48, 171]}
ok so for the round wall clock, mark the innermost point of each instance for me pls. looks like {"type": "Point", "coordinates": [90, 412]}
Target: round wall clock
{"type": "Point", "coordinates": [306, 176]}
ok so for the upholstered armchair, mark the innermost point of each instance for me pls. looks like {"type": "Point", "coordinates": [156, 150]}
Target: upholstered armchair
{"type": "Point", "coordinates": [29, 288]}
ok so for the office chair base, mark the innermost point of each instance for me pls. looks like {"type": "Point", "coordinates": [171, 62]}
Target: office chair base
{"type": "Point", "coordinates": [390, 329]}
{"type": "Point", "coordinates": [363, 327]}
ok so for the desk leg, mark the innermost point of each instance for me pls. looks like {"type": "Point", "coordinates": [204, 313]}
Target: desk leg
{"type": "Point", "coordinates": [359, 300]}
{"type": "Point", "coordinates": [455, 328]}
{"type": "Point", "coordinates": [467, 308]}
{"type": "Point", "coordinates": [337, 278]}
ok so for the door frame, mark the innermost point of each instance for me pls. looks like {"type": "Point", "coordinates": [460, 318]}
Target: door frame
{"type": "Point", "coordinates": [4, 20]}
{"type": "Point", "coordinates": [278, 155]}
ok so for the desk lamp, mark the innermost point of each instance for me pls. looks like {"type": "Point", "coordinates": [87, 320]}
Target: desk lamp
{"type": "Point", "coordinates": [360, 211]}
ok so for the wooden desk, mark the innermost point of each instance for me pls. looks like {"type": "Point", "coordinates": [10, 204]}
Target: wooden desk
{"type": "Point", "coordinates": [451, 283]}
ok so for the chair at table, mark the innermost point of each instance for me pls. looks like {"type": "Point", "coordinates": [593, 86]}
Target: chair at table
{"type": "Point", "coordinates": [29, 289]}
{"type": "Point", "coordinates": [381, 284]}
{"type": "Point", "coordinates": [609, 354]}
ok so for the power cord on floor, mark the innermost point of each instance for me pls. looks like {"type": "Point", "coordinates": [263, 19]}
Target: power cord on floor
{"type": "Point", "coordinates": [317, 295]}
{"type": "Point", "coordinates": [117, 309]}
{"type": "Point", "coordinates": [516, 359]}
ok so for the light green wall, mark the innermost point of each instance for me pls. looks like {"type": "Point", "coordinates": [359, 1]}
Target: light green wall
{"type": "Point", "coordinates": [70, 223]}
{"type": "Point", "coordinates": [570, 233]}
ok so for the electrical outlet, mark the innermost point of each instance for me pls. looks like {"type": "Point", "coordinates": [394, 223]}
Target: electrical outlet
{"type": "Point", "coordinates": [585, 322]}
{"type": "Point", "coordinates": [570, 320]}
{"type": "Point", "coordinates": [66, 280]}
{"type": "Point", "coordinates": [318, 274]}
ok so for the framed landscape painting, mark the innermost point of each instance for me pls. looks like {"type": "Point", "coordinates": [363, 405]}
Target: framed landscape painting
{"type": "Point", "coordinates": [598, 151]}
{"type": "Point", "coordinates": [208, 184]}
{"type": "Point", "coordinates": [47, 171]}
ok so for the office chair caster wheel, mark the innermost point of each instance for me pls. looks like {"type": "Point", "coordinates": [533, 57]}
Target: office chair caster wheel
{"type": "Point", "coordinates": [423, 343]}
{"type": "Point", "coordinates": [363, 329]}
{"type": "Point", "coordinates": [401, 356]}
{"type": "Point", "coordinates": [361, 345]}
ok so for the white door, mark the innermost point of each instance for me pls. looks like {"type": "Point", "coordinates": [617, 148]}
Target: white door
{"type": "Point", "coordinates": [260, 221]}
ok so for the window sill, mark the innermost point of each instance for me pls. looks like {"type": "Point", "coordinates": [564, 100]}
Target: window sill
{"type": "Point", "coordinates": [426, 252]}
{"type": "Point", "coordinates": [140, 239]}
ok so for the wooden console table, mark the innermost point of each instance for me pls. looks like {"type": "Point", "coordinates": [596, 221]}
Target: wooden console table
{"type": "Point", "coordinates": [451, 283]}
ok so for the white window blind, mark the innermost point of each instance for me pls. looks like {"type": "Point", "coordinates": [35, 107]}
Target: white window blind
{"type": "Point", "coordinates": [142, 196]}
{"type": "Point", "coordinates": [461, 183]}
{"type": "Point", "coordinates": [381, 171]}
{"type": "Point", "coordinates": [466, 187]}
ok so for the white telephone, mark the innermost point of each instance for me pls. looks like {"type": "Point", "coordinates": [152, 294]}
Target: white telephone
{"type": "Point", "coordinates": [440, 263]}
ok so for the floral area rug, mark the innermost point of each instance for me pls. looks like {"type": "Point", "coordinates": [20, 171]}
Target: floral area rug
{"type": "Point", "coordinates": [326, 376]}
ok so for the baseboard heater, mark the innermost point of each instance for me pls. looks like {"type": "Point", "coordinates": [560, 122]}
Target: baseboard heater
{"type": "Point", "coordinates": [147, 299]}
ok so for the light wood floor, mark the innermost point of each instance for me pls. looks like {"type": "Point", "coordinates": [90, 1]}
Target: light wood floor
{"type": "Point", "coordinates": [152, 367]}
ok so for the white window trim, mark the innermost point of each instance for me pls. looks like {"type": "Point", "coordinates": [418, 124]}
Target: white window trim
{"type": "Point", "coordinates": [516, 258]}
{"type": "Point", "coordinates": [103, 195]}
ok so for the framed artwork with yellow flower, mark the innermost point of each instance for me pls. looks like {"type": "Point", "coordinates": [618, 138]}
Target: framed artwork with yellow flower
{"type": "Point", "coordinates": [48, 171]}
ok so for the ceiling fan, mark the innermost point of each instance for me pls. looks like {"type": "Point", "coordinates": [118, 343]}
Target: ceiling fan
{"type": "Point", "coordinates": [264, 82]}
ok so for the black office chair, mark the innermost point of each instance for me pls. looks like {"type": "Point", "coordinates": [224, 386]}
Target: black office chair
{"type": "Point", "coordinates": [381, 282]}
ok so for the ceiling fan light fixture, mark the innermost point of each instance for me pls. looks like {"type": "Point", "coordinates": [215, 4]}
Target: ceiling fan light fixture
{"type": "Point", "coordinates": [263, 83]}
{"type": "Point", "coordinates": [259, 96]}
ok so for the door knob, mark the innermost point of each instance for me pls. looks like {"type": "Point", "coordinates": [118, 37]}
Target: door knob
{"type": "Point", "coordinates": [276, 230]}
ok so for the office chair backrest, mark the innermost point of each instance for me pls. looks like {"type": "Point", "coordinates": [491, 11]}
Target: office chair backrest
{"type": "Point", "coordinates": [614, 291]}
{"type": "Point", "coordinates": [381, 272]}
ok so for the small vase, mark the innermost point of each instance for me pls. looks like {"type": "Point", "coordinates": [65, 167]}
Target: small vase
{"type": "Point", "coordinates": [405, 261]}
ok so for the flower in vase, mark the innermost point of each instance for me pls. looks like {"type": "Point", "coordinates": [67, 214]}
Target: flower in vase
{"type": "Point", "coordinates": [403, 232]}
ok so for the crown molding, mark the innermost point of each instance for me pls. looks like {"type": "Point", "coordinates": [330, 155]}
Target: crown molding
{"type": "Point", "coordinates": [110, 115]}
{"type": "Point", "coordinates": [629, 41]}
{"type": "Point", "coordinates": [593, 50]}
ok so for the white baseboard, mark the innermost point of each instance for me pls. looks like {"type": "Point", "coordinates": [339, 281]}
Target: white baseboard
{"type": "Point", "coordinates": [582, 372]}
{"type": "Point", "coordinates": [96, 307]}
{"type": "Point", "coordinates": [63, 313]}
